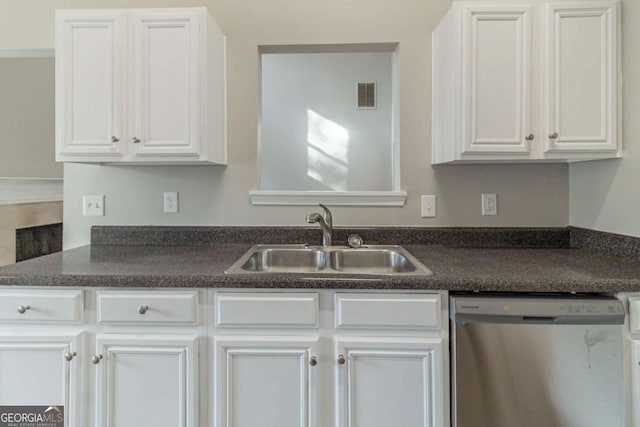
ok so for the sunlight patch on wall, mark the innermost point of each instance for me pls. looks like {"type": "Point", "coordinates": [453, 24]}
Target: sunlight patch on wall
{"type": "Point", "coordinates": [327, 152]}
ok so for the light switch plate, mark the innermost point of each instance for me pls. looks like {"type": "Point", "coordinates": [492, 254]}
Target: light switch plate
{"type": "Point", "coordinates": [428, 206]}
{"type": "Point", "coordinates": [93, 205]}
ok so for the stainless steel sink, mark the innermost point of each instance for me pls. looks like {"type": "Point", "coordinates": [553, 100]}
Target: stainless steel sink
{"type": "Point", "coordinates": [373, 259]}
{"type": "Point", "coordinates": [283, 260]}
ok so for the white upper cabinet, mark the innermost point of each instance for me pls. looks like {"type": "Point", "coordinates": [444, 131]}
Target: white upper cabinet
{"type": "Point", "coordinates": [581, 77]}
{"type": "Point", "coordinates": [90, 86]}
{"type": "Point", "coordinates": [496, 62]}
{"type": "Point", "coordinates": [140, 86]}
{"type": "Point", "coordinates": [526, 81]}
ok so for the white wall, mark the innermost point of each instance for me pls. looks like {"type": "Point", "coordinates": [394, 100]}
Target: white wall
{"type": "Point", "coordinates": [529, 195]}
{"type": "Point", "coordinates": [604, 195]}
{"type": "Point", "coordinates": [27, 118]}
{"type": "Point", "coordinates": [308, 111]}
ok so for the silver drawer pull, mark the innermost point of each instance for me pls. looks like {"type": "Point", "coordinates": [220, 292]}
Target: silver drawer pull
{"type": "Point", "coordinates": [114, 139]}
{"type": "Point", "coordinates": [135, 140]}
{"type": "Point", "coordinates": [313, 361]}
{"type": "Point", "coordinates": [553, 135]}
{"type": "Point", "coordinates": [143, 309]}
{"type": "Point", "coordinates": [22, 309]}
{"type": "Point", "coordinates": [70, 356]}
{"type": "Point", "coordinates": [96, 359]}
{"type": "Point", "coordinates": [530, 137]}
{"type": "Point", "coordinates": [341, 359]}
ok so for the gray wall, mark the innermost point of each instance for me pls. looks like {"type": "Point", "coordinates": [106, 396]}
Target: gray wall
{"type": "Point", "coordinates": [529, 195]}
{"type": "Point", "coordinates": [27, 118]}
{"type": "Point", "coordinates": [604, 195]}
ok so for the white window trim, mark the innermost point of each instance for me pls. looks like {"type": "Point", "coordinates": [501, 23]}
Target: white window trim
{"type": "Point", "coordinates": [333, 198]}
{"type": "Point", "coordinates": [16, 191]}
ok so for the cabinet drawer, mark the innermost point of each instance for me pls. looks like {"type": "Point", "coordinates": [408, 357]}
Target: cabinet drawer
{"type": "Point", "coordinates": [634, 315]}
{"type": "Point", "coordinates": [240, 310]}
{"type": "Point", "coordinates": [388, 311]}
{"type": "Point", "coordinates": [136, 307]}
{"type": "Point", "coordinates": [55, 306]}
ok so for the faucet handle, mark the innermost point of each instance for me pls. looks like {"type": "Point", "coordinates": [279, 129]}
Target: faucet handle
{"type": "Point", "coordinates": [326, 214]}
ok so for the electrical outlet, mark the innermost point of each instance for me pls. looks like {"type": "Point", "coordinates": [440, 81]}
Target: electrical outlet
{"type": "Point", "coordinates": [93, 205]}
{"type": "Point", "coordinates": [428, 206]}
{"type": "Point", "coordinates": [489, 205]}
{"type": "Point", "coordinates": [171, 202]}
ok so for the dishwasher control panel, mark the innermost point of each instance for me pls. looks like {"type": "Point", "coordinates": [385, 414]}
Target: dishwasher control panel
{"type": "Point", "coordinates": [590, 308]}
{"type": "Point", "coordinates": [532, 309]}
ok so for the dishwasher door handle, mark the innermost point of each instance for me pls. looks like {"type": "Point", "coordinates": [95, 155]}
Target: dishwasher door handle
{"type": "Point", "coordinates": [539, 319]}
{"type": "Point", "coordinates": [464, 318]}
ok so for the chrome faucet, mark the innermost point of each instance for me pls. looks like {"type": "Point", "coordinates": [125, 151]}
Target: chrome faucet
{"type": "Point", "coordinates": [326, 223]}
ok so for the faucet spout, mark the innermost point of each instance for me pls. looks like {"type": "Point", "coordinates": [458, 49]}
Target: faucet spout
{"type": "Point", "coordinates": [326, 223]}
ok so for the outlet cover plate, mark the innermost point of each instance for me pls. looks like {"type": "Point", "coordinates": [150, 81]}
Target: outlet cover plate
{"type": "Point", "coordinates": [489, 204]}
{"type": "Point", "coordinates": [171, 202]}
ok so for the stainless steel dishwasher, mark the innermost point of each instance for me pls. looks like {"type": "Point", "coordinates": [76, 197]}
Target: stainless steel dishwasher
{"type": "Point", "coordinates": [532, 361]}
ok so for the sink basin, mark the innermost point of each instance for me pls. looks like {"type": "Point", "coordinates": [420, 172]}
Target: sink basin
{"type": "Point", "coordinates": [373, 259]}
{"type": "Point", "coordinates": [283, 260]}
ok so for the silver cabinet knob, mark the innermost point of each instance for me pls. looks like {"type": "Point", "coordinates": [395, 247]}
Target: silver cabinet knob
{"type": "Point", "coordinates": [96, 359]}
{"type": "Point", "coordinates": [530, 137]}
{"type": "Point", "coordinates": [22, 309]}
{"type": "Point", "coordinates": [143, 309]}
{"type": "Point", "coordinates": [553, 135]}
{"type": "Point", "coordinates": [70, 356]}
{"type": "Point", "coordinates": [341, 359]}
{"type": "Point", "coordinates": [135, 140]}
{"type": "Point", "coordinates": [313, 361]}
{"type": "Point", "coordinates": [114, 139]}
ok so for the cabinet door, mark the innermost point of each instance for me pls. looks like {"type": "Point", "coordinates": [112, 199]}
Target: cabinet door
{"type": "Point", "coordinates": [265, 381]}
{"type": "Point", "coordinates": [89, 85]}
{"type": "Point", "coordinates": [496, 63]}
{"type": "Point", "coordinates": [146, 381]}
{"type": "Point", "coordinates": [166, 81]}
{"type": "Point", "coordinates": [390, 382]}
{"type": "Point", "coordinates": [635, 378]}
{"type": "Point", "coordinates": [581, 76]}
{"type": "Point", "coordinates": [34, 371]}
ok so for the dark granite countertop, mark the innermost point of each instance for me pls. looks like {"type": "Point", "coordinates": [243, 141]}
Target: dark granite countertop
{"type": "Point", "coordinates": [454, 269]}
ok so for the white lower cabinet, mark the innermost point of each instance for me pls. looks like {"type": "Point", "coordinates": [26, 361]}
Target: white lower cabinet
{"type": "Point", "coordinates": [164, 358]}
{"type": "Point", "coordinates": [371, 360]}
{"type": "Point", "coordinates": [266, 381]}
{"type": "Point", "coordinates": [41, 352]}
{"type": "Point", "coordinates": [633, 358]}
{"type": "Point", "coordinates": [389, 381]}
{"type": "Point", "coordinates": [634, 366]}
{"type": "Point", "coordinates": [41, 370]}
{"type": "Point", "coordinates": [146, 381]}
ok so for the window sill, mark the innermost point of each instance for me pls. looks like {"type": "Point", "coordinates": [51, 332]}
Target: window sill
{"type": "Point", "coordinates": [333, 198]}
